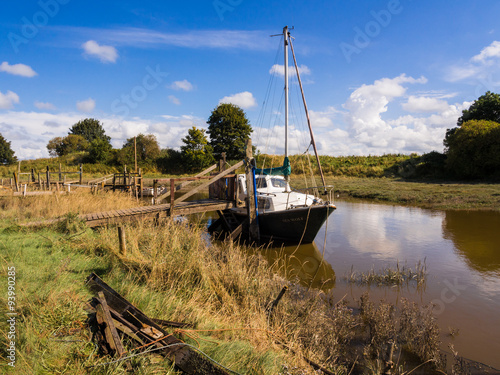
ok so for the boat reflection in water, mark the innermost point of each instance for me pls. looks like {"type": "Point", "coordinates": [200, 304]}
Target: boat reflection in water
{"type": "Point", "coordinates": [303, 264]}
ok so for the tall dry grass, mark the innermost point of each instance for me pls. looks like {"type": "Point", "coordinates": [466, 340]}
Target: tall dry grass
{"type": "Point", "coordinates": [79, 201]}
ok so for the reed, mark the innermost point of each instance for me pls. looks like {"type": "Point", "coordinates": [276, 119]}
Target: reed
{"type": "Point", "coordinates": [172, 271]}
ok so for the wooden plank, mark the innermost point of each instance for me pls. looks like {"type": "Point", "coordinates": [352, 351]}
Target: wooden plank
{"type": "Point", "coordinates": [180, 186]}
{"type": "Point", "coordinates": [110, 331]}
{"type": "Point", "coordinates": [212, 180]}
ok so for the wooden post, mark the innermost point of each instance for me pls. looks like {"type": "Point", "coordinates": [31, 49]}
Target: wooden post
{"type": "Point", "coordinates": [222, 162]}
{"type": "Point", "coordinates": [155, 194]}
{"type": "Point", "coordinates": [48, 179]}
{"type": "Point", "coordinates": [60, 172]}
{"type": "Point", "coordinates": [33, 175]}
{"type": "Point", "coordinates": [253, 229]}
{"type": "Point", "coordinates": [16, 181]}
{"type": "Point", "coordinates": [81, 174]}
{"type": "Point", "coordinates": [141, 183]}
{"type": "Point", "coordinates": [172, 196]}
{"type": "Point", "coordinates": [121, 240]}
{"type": "Point", "coordinates": [135, 153]}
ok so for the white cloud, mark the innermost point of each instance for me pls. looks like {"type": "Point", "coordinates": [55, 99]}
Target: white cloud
{"type": "Point", "coordinates": [45, 105]}
{"type": "Point", "coordinates": [424, 104]}
{"type": "Point", "coordinates": [193, 39]}
{"type": "Point", "coordinates": [280, 70]}
{"type": "Point", "coordinates": [183, 85]}
{"type": "Point", "coordinates": [17, 69]}
{"type": "Point", "coordinates": [174, 100]}
{"type": "Point", "coordinates": [479, 70]}
{"type": "Point", "coordinates": [493, 50]}
{"type": "Point", "coordinates": [243, 99]}
{"type": "Point", "coordinates": [30, 132]}
{"type": "Point", "coordinates": [106, 54]}
{"type": "Point", "coordinates": [372, 134]}
{"type": "Point", "coordinates": [8, 100]}
{"type": "Point", "coordinates": [86, 105]}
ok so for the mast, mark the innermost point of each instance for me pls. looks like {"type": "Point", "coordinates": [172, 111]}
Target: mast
{"type": "Point", "coordinates": [313, 142]}
{"type": "Point", "coordinates": [285, 38]}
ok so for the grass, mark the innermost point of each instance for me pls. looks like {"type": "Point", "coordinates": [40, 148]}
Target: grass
{"type": "Point", "coordinates": [173, 272]}
{"type": "Point", "coordinates": [389, 276]}
{"type": "Point", "coordinates": [432, 195]}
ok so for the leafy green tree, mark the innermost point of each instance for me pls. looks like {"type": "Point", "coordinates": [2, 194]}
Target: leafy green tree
{"type": "Point", "coordinates": [6, 153]}
{"type": "Point", "coordinates": [60, 146]}
{"type": "Point", "coordinates": [89, 129]}
{"type": "Point", "coordinates": [148, 150]}
{"type": "Point", "coordinates": [473, 150]}
{"type": "Point", "coordinates": [196, 152]}
{"type": "Point", "coordinates": [229, 129]}
{"type": "Point", "coordinates": [99, 150]}
{"type": "Point", "coordinates": [486, 107]}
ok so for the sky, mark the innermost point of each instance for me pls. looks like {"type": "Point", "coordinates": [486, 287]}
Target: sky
{"type": "Point", "coordinates": [379, 77]}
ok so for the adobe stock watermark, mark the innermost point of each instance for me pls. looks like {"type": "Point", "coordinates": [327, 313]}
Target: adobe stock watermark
{"type": "Point", "coordinates": [449, 294]}
{"type": "Point", "coordinates": [363, 36]}
{"type": "Point", "coordinates": [11, 316]}
{"type": "Point", "coordinates": [223, 6]}
{"type": "Point", "coordinates": [32, 25]}
{"type": "Point", "coordinates": [152, 79]}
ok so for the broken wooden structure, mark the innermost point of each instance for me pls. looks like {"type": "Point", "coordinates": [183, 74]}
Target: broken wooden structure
{"type": "Point", "coordinates": [114, 320]}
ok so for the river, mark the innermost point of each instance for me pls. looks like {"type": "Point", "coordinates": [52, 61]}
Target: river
{"type": "Point", "coordinates": [461, 250]}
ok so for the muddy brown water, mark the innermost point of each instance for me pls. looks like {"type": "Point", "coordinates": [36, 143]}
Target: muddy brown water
{"type": "Point", "coordinates": [461, 250]}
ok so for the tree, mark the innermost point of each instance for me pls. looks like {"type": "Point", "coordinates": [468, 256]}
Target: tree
{"type": "Point", "coordinates": [229, 129]}
{"type": "Point", "coordinates": [60, 146]}
{"type": "Point", "coordinates": [99, 150]}
{"type": "Point", "coordinates": [89, 129]}
{"type": "Point", "coordinates": [486, 107]}
{"type": "Point", "coordinates": [473, 150]}
{"type": "Point", "coordinates": [196, 152]}
{"type": "Point", "coordinates": [148, 149]}
{"type": "Point", "coordinates": [6, 153]}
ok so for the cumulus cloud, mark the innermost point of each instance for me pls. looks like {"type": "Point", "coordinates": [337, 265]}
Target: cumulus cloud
{"type": "Point", "coordinates": [107, 54]}
{"type": "Point", "coordinates": [243, 99]}
{"type": "Point", "coordinates": [491, 51]}
{"type": "Point", "coordinates": [280, 70]}
{"type": "Point", "coordinates": [424, 104]}
{"type": "Point", "coordinates": [17, 69]}
{"type": "Point", "coordinates": [183, 85]}
{"type": "Point", "coordinates": [45, 105]}
{"type": "Point", "coordinates": [372, 134]}
{"type": "Point", "coordinates": [8, 100]}
{"type": "Point", "coordinates": [86, 105]}
{"type": "Point", "coordinates": [174, 100]}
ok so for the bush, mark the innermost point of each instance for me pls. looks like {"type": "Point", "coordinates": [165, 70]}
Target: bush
{"type": "Point", "coordinates": [473, 150]}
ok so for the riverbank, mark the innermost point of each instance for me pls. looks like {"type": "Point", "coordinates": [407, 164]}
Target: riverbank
{"type": "Point", "coordinates": [439, 195]}
{"type": "Point", "coordinates": [172, 272]}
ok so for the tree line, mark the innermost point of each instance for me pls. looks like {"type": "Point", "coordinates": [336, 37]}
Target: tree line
{"type": "Point", "coordinates": [472, 148]}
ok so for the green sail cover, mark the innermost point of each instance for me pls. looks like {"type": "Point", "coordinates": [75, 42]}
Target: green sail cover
{"type": "Point", "coordinates": [284, 170]}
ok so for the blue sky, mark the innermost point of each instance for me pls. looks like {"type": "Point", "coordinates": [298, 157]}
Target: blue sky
{"type": "Point", "coordinates": [379, 76]}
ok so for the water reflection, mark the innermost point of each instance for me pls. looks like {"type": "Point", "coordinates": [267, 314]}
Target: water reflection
{"type": "Point", "coordinates": [304, 264]}
{"type": "Point", "coordinates": [468, 231]}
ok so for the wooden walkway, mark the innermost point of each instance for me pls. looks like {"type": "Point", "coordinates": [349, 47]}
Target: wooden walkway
{"type": "Point", "coordinates": [156, 211]}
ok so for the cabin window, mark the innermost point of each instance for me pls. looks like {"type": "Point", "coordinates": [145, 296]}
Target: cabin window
{"type": "Point", "coordinates": [261, 183]}
{"type": "Point", "coordinates": [278, 183]}
{"type": "Point", "coordinates": [263, 203]}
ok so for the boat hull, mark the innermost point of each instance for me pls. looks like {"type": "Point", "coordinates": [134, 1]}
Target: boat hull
{"type": "Point", "coordinates": [298, 225]}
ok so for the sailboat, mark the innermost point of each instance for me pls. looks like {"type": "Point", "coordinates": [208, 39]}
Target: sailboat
{"type": "Point", "coordinates": [284, 215]}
